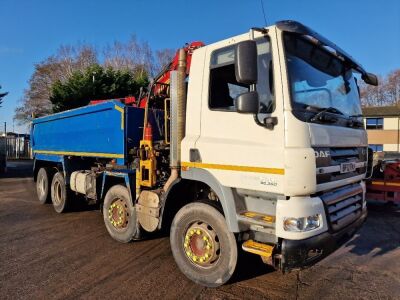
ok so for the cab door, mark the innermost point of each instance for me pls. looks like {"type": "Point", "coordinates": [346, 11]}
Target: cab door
{"type": "Point", "coordinates": [236, 148]}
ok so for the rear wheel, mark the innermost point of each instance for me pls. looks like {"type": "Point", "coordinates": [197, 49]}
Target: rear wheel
{"type": "Point", "coordinates": [119, 214]}
{"type": "Point", "coordinates": [203, 247]}
{"type": "Point", "coordinates": [42, 185]}
{"type": "Point", "coordinates": [59, 193]}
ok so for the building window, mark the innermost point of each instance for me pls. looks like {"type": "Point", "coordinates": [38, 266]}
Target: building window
{"type": "Point", "coordinates": [374, 123]}
{"type": "Point", "coordinates": [376, 147]}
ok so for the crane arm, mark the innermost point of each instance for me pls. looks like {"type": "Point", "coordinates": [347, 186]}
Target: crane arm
{"type": "Point", "coordinates": [160, 85]}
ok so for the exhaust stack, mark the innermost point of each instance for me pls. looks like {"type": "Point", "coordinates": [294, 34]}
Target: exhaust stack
{"type": "Point", "coordinates": [178, 115]}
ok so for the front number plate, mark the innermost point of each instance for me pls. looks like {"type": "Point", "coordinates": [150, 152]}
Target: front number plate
{"type": "Point", "coordinates": [347, 167]}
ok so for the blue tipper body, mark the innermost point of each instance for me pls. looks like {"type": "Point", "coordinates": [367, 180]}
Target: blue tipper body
{"type": "Point", "coordinates": [105, 130]}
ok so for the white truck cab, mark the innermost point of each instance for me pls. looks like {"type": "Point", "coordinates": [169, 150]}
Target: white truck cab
{"type": "Point", "coordinates": [289, 173]}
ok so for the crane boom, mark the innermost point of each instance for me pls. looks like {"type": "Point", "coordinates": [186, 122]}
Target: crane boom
{"type": "Point", "coordinates": [160, 85]}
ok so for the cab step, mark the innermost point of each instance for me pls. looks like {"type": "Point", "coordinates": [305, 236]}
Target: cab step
{"type": "Point", "coordinates": [261, 249]}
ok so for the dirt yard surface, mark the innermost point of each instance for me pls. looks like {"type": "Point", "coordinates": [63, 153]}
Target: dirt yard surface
{"type": "Point", "coordinates": [46, 255]}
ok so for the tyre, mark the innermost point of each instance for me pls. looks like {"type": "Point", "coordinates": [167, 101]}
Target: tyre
{"type": "Point", "coordinates": [202, 245]}
{"type": "Point", "coordinates": [43, 185]}
{"type": "Point", "coordinates": [59, 193]}
{"type": "Point", "coordinates": [119, 214]}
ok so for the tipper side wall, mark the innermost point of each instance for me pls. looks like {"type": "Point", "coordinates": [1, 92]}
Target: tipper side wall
{"type": "Point", "coordinates": [101, 130]}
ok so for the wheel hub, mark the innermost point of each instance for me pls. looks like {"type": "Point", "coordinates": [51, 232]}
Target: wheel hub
{"type": "Point", "coordinates": [57, 193]}
{"type": "Point", "coordinates": [201, 244]}
{"type": "Point", "coordinates": [117, 214]}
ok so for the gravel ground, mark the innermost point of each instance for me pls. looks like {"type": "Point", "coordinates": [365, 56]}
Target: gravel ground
{"type": "Point", "coordinates": [47, 255]}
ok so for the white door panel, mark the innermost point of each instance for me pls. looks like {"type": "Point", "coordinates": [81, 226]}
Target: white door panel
{"type": "Point", "coordinates": [237, 151]}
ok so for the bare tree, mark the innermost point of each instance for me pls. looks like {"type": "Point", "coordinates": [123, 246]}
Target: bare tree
{"type": "Point", "coordinates": [163, 58]}
{"type": "Point", "coordinates": [135, 56]}
{"type": "Point", "coordinates": [74, 58]}
{"type": "Point", "coordinates": [386, 93]}
{"type": "Point", "coordinates": [60, 66]}
{"type": "Point", "coordinates": [393, 86]}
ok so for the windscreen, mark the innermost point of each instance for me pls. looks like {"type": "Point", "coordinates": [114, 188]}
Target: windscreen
{"type": "Point", "coordinates": [319, 81]}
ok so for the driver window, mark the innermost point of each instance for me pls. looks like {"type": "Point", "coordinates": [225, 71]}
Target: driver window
{"type": "Point", "coordinates": [223, 85]}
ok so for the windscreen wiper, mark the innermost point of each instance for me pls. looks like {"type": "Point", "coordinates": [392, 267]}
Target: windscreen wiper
{"type": "Point", "coordinates": [321, 116]}
{"type": "Point", "coordinates": [354, 122]}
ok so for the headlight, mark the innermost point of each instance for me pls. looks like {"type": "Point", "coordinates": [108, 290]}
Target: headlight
{"type": "Point", "coordinates": [302, 224]}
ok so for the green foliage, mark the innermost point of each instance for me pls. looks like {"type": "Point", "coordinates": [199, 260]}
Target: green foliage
{"type": "Point", "coordinates": [94, 83]}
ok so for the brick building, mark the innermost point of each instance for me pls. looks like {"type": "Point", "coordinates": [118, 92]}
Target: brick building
{"type": "Point", "coordinates": [383, 127]}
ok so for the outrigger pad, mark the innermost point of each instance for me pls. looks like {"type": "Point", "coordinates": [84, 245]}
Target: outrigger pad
{"type": "Point", "coordinates": [148, 209]}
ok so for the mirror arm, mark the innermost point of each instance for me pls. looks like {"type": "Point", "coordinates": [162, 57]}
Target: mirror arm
{"type": "Point", "coordinates": [269, 122]}
{"type": "Point", "coordinates": [257, 120]}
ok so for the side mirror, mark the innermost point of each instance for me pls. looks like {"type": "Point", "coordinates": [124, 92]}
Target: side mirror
{"type": "Point", "coordinates": [370, 78]}
{"type": "Point", "coordinates": [246, 62]}
{"type": "Point", "coordinates": [247, 103]}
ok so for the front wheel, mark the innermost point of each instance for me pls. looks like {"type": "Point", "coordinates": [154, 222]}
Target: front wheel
{"type": "Point", "coordinates": [119, 214]}
{"type": "Point", "coordinates": [203, 247]}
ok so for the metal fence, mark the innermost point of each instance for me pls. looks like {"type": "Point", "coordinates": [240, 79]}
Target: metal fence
{"type": "Point", "coordinates": [17, 146]}
{"type": "Point", "coordinates": [2, 155]}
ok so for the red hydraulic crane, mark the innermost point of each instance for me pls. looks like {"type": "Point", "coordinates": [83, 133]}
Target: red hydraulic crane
{"type": "Point", "coordinates": [160, 86]}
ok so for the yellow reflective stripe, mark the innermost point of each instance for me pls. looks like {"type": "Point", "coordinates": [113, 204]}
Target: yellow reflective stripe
{"type": "Point", "coordinates": [385, 183]}
{"type": "Point", "coordinates": [233, 168]}
{"type": "Point", "coordinates": [121, 110]}
{"type": "Point", "coordinates": [95, 154]}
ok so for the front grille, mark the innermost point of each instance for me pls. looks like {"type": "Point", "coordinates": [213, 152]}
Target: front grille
{"type": "Point", "coordinates": [343, 206]}
{"type": "Point", "coordinates": [334, 157]}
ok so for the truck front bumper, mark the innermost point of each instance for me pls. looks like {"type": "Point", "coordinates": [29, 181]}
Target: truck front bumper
{"type": "Point", "coordinates": [304, 253]}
